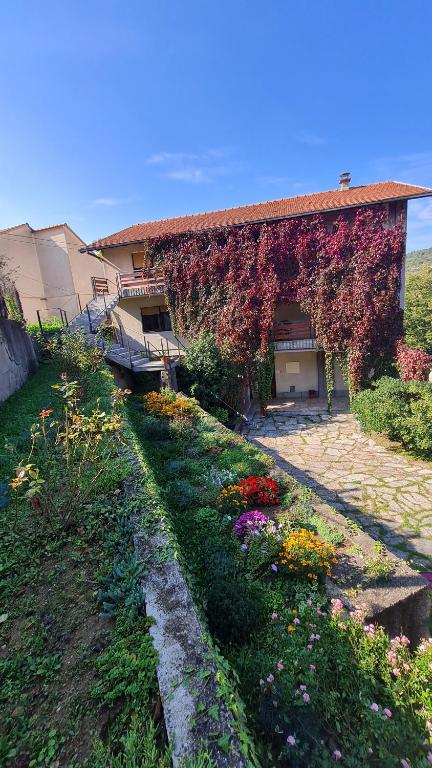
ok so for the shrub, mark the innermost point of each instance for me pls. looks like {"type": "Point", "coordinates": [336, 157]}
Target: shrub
{"type": "Point", "coordinates": [401, 410]}
{"type": "Point", "coordinates": [412, 364]}
{"type": "Point", "coordinates": [221, 414]}
{"type": "Point", "coordinates": [74, 353]}
{"type": "Point", "coordinates": [305, 554]}
{"type": "Point", "coordinates": [168, 404]}
{"type": "Point", "coordinates": [49, 326]}
{"type": "Point", "coordinates": [260, 490]}
{"type": "Point", "coordinates": [212, 375]}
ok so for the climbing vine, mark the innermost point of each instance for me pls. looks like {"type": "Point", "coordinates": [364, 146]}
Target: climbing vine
{"type": "Point", "coordinates": [345, 275]}
{"type": "Point", "coordinates": [329, 376]}
{"type": "Point", "coordinates": [263, 369]}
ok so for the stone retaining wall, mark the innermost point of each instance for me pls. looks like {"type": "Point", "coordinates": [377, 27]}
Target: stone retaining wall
{"type": "Point", "coordinates": [17, 357]}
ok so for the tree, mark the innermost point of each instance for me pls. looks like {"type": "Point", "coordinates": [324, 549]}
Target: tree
{"type": "Point", "coordinates": [418, 309]}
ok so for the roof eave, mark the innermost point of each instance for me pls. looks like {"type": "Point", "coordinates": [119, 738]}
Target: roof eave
{"type": "Point", "coordinates": [96, 247]}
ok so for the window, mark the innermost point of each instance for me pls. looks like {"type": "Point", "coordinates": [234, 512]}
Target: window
{"type": "Point", "coordinates": [155, 319]}
{"type": "Point", "coordinates": [141, 260]}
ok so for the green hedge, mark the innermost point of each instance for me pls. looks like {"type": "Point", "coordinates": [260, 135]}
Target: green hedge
{"type": "Point", "coordinates": [402, 410]}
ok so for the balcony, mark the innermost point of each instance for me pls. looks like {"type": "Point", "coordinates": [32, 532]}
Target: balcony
{"type": "Point", "coordinates": [293, 334]}
{"type": "Point", "coordinates": [140, 282]}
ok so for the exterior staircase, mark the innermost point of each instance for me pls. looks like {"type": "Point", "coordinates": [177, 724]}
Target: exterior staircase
{"type": "Point", "coordinates": [128, 355]}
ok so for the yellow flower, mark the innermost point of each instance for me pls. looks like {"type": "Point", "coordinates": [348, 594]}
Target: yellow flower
{"type": "Point", "coordinates": [291, 628]}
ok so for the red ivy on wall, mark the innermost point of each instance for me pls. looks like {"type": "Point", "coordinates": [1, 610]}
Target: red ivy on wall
{"type": "Point", "coordinates": [346, 277]}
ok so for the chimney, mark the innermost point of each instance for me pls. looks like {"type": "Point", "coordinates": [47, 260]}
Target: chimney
{"type": "Point", "coordinates": [344, 180]}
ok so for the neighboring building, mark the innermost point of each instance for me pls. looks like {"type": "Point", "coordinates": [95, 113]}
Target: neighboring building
{"type": "Point", "coordinates": [49, 270]}
{"type": "Point", "coordinates": [141, 312]}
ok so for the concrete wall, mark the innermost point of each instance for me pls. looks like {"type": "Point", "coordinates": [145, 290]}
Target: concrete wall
{"type": "Point", "coordinates": [17, 357]}
{"type": "Point", "coordinates": [48, 269]}
{"type": "Point", "coordinates": [305, 379]}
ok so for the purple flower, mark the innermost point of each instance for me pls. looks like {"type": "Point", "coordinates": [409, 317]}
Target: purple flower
{"type": "Point", "coordinates": [244, 547]}
{"type": "Point", "coordinates": [306, 698]}
{"type": "Point", "coordinates": [291, 741]}
{"type": "Point", "coordinates": [274, 616]}
{"type": "Point", "coordinates": [296, 620]}
{"type": "Point", "coordinates": [270, 679]}
{"type": "Point", "coordinates": [387, 712]}
{"type": "Point", "coordinates": [337, 754]}
{"type": "Point", "coordinates": [251, 522]}
{"type": "Point", "coordinates": [274, 568]}
{"type": "Point", "coordinates": [302, 687]}
{"type": "Point", "coordinates": [374, 707]}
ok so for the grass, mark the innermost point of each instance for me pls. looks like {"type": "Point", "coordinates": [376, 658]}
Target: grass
{"type": "Point", "coordinates": [78, 688]}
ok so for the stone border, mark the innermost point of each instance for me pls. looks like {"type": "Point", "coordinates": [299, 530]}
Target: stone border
{"type": "Point", "coordinates": [401, 603]}
{"type": "Point", "coordinates": [196, 713]}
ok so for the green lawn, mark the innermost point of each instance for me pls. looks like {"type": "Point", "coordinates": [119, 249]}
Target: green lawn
{"type": "Point", "coordinates": [76, 688]}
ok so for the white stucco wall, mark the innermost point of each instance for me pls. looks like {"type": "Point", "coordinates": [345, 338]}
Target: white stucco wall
{"type": "Point", "coordinates": [304, 380]}
{"type": "Point", "coordinates": [127, 316]}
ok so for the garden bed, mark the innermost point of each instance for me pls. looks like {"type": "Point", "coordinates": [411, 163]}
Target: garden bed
{"type": "Point", "coordinates": [319, 685]}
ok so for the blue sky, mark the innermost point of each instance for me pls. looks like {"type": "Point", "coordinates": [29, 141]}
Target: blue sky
{"type": "Point", "coordinates": [116, 112]}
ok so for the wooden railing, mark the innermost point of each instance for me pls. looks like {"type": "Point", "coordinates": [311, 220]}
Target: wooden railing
{"type": "Point", "coordinates": [140, 282]}
{"type": "Point", "coordinates": [291, 330]}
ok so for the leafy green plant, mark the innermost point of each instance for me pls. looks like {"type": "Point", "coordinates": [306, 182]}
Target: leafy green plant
{"type": "Point", "coordinates": [75, 450]}
{"type": "Point", "coordinates": [73, 352]}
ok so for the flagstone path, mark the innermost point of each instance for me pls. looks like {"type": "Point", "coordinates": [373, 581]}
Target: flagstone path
{"type": "Point", "coordinates": [388, 494]}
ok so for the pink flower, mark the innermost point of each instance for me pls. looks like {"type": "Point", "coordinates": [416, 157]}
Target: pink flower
{"type": "Point", "coordinates": [312, 667]}
{"type": "Point", "coordinates": [291, 741]}
{"type": "Point", "coordinates": [405, 640]}
{"type": "Point", "coordinates": [309, 603]}
{"type": "Point", "coordinates": [274, 616]}
{"type": "Point", "coordinates": [312, 626]}
{"type": "Point", "coordinates": [309, 647]}
{"type": "Point", "coordinates": [374, 707]}
{"type": "Point", "coordinates": [396, 671]}
{"type": "Point", "coordinates": [296, 620]}
{"type": "Point", "coordinates": [306, 698]}
{"type": "Point", "coordinates": [320, 612]}
{"type": "Point", "coordinates": [337, 606]}
{"type": "Point", "coordinates": [392, 657]}
{"type": "Point", "coordinates": [280, 665]}
{"type": "Point", "coordinates": [405, 763]}
{"type": "Point", "coordinates": [270, 679]}
{"type": "Point", "coordinates": [429, 757]}
{"type": "Point", "coordinates": [337, 754]}
{"type": "Point", "coordinates": [387, 712]}
{"type": "Point", "coordinates": [406, 667]}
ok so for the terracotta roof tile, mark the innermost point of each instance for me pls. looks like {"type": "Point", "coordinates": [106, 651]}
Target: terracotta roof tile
{"type": "Point", "coordinates": [274, 209]}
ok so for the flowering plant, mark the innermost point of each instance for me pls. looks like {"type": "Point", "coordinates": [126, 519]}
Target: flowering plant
{"type": "Point", "coordinates": [304, 553]}
{"type": "Point", "coordinates": [168, 404]}
{"type": "Point", "coordinates": [231, 499]}
{"type": "Point", "coordinates": [250, 523]}
{"type": "Point", "coordinates": [263, 491]}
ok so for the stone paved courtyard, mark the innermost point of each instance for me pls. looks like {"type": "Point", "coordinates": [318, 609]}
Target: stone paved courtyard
{"type": "Point", "coordinates": [388, 494]}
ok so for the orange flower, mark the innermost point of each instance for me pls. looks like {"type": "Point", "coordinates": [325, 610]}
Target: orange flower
{"type": "Point", "coordinates": [45, 412]}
